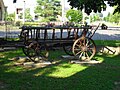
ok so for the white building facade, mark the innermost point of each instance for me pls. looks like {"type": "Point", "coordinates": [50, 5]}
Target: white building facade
{"type": "Point", "coordinates": [2, 10]}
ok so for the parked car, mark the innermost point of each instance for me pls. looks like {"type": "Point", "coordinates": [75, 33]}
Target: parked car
{"type": "Point", "coordinates": [103, 26]}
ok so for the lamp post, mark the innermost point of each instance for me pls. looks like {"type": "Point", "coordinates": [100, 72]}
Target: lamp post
{"type": "Point", "coordinates": [63, 10]}
{"type": "Point", "coordinates": [6, 21]}
{"type": "Point", "coordinates": [83, 19]}
{"type": "Point", "coordinates": [23, 12]}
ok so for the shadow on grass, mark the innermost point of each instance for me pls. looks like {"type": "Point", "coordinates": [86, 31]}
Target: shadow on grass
{"type": "Point", "coordinates": [61, 76]}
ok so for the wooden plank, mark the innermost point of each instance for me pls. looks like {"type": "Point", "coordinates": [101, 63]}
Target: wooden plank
{"type": "Point", "coordinates": [45, 34]}
{"type": "Point", "coordinates": [53, 34]}
{"type": "Point", "coordinates": [61, 33]}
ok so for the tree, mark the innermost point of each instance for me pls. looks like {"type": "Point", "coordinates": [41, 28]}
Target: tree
{"type": "Point", "coordinates": [74, 15]}
{"type": "Point", "coordinates": [27, 14]}
{"type": "Point", "coordinates": [11, 17]}
{"type": "Point", "coordinates": [94, 5]}
{"type": "Point", "coordinates": [114, 18]}
{"type": "Point", "coordinates": [49, 9]}
{"type": "Point", "coordinates": [96, 17]}
{"type": "Point", "coordinates": [107, 18]}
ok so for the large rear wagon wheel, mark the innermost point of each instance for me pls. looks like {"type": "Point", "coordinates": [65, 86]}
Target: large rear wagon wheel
{"type": "Point", "coordinates": [84, 48]}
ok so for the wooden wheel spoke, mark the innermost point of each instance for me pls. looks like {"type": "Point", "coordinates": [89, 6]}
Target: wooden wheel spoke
{"type": "Point", "coordinates": [78, 45]}
{"type": "Point", "coordinates": [77, 49]}
{"type": "Point", "coordinates": [84, 41]}
{"type": "Point", "coordinates": [90, 45]}
{"type": "Point", "coordinates": [81, 55]}
{"type": "Point", "coordinates": [81, 42]}
{"type": "Point", "coordinates": [90, 48]}
{"type": "Point", "coordinates": [87, 55]}
{"type": "Point", "coordinates": [90, 51]}
{"type": "Point", "coordinates": [78, 53]}
{"type": "Point", "coordinates": [87, 42]}
{"type": "Point", "coordinates": [84, 54]}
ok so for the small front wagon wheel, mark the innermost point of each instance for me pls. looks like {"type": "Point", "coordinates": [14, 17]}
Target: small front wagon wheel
{"type": "Point", "coordinates": [84, 48]}
{"type": "Point", "coordinates": [35, 51]}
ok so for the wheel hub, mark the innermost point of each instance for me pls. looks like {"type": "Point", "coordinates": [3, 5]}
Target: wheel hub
{"type": "Point", "coordinates": [84, 48]}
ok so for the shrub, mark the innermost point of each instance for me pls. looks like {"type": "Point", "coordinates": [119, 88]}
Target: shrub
{"type": "Point", "coordinates": [18, 23]}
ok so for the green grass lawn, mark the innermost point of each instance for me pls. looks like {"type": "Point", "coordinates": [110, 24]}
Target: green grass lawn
{"type": "Point", "coordinates": [61, 76]}
{"type": "Point", "coordinates": [108, 42]}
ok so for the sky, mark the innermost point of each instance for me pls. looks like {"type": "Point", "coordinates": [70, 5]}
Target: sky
{"type": "Point", "coordinates": [32, 3]}
{"type": "Point", "coordinates": [108, 9]}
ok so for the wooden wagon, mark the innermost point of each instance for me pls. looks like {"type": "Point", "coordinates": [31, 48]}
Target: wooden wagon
{"type": "Point", "coordinates": [75, 41]}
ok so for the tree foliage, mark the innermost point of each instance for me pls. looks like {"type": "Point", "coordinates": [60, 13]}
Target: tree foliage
{"type": "Point", "coordinates": [48, 9]}
{"type": "Point", "coordinates": [11, 17]}
{"type": "Point", "coordinates": [94, 5]}
{"type": "Point", "coordinates": [96, 17]}
{"type": "Point", "coordinates": [113, 18]}
{"type": "Point", "coordinates": [27, 14]}
{"type": "Point", "coordinates": [88, 5]}
{"type": "Point", "coordinates": [74, 15]}
{"type": "Point", "coordinates": [91, 5]}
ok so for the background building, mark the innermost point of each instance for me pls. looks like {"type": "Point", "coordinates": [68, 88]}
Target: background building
{"type": "Point", "coordinates": [2, 10]}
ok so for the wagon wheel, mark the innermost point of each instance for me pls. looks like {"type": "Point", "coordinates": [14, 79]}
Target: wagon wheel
{"type": "Point", "coordinates": [68, 49]}
{"type": "Point", "coordinates": [35, 51]}
{"type": "Point", "coordinates": [84, 48]}
{"type": "Point", "coordinates": [23, 35]}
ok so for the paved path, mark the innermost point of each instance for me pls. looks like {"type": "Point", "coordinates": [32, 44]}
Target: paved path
{"type": "Point", "coordinates": [110, 34]}
{"type": "Point", "coordinates": [107, 35]}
